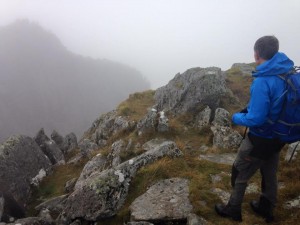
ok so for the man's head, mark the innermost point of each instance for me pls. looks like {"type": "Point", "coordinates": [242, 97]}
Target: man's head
{"type": "Point", "coordinates": [265, 48]}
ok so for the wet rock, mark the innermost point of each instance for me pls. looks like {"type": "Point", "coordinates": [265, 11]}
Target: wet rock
{"type": "Point", "coordinates": [167, 200]}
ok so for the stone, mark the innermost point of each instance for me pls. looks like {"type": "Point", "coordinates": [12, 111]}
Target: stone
{"type": "Point", "coordinates": [103, 193]}
{"type": "Point", "coordinates": [294, 203]}
{"type": "Point", "coordinates": [9, 207]}
{"type": "Point", "coordinates": [87, 147]}
{"type": "Point", "coordinates": [54, 205]}
{"type": "Point", "coordinates": [50, 148]}
{"type": "Point", "coordinates": [203, 118]}
{"type": "Point", "coordinates": [107, 125]}
{"type": "Point", "coordinates": [95, 165]}
{"type": "Point", "coordinates": [294, 146]}
{"type": "Point", "coordinates": [221, 118]}
{"type": "Point", "coordinates": [116, 149]}
{"type": "Point", "coordinates": [226, 158]}
{"type": "Point", "coordinates": [152, 144]}
{"type": "Point", "coordinates": [193, 219]}
{"type": "Point", "coordinates": [167, 200]}
{"type": "Point", "coordinates": [70, 184]}
{"type": "Point", "coordinates": [16, 172]}
{"type": "Point", "coordinates": [225, 137]}
{"type": "Point", "coordinates": [139, 223]}
{"type": "Point", "coordinates": [149, 122]}
{"type": "Point", "coordinates": [163, 123]}
{"type": "Point", "coordinates": [192, 90]}
{"type": "Point", "coordinates": [223, 195]}
{"type": "Point", "coordinates": [32, 221]}
{"type": "Point", "coordinates": [57, 138]}
{"type": "Point", "coordinates": [70, 143]}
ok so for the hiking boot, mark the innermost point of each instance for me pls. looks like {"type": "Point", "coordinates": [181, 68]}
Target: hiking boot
{"type": "Point", "coordinates": [264, 208]}
{"type": "Point", "coordinates": [229, 211]}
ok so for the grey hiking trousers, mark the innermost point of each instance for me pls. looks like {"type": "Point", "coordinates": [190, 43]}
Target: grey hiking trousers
{"type": "Point", "coordinates": [245, 167]}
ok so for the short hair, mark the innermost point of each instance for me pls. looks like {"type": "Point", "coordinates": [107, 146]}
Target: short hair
{"type": "Point", "coordinates": [266, 47]}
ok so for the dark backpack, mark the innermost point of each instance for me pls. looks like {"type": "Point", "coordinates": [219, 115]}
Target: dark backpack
{"type": "Point", "coordinates": [287, 127]}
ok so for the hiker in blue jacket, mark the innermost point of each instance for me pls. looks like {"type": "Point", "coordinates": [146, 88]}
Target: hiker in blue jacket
{"type": "Point", "coordinates": [259, 150]}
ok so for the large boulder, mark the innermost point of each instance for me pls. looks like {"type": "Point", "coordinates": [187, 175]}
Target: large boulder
{"type": "Point", "coordinates": [69, 143]}
{"type": "Point", "coordinates": [191, 90]}
{"type": "Point", "coordinates": [21, 160]}
{"type": "Point", "coordinates": [104, 192]}
{"type": "Point", "coordinates": [167, 200]}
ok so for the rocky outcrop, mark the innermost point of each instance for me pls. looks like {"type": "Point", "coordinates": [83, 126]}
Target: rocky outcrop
{"type": "Point", "coordinates": [167, 200]}
{"type": "Point", "coordinates": [107, 125]}
{"type": "Point", "coordinates": [193, 89]}
{"type": "Point", "coordinates": [21, 160]}
{"type": "Point", "coordinates": [149, 122]}
{"type": "Point", "coordinates": [49, 147]}
{"type": "Point", "coordinates": [54, 205]}
{"type": "Point", "coordinates": [9, 208]}
{"type": "Point", "coordinates": [103, 193]}
{"type": "Point", "coordinates": [116, 149]}
{"type": "Point", "coordinates": [57, 138]}
{"type": "Point", "coordinates": [244, 68]}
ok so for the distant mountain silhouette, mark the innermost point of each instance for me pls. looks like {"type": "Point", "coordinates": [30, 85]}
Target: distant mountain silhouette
{"type": "Point", "coordinates": [42, 84]}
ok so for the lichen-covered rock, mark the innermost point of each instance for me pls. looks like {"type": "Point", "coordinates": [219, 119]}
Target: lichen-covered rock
{"type": "Point", "coordinates": [246, 69]}
{"type": "Point", "coordinates": [21, 160]}
{"type": "Point", "coordinates": [193, 89]}
{"type": "Point", "coordinates": [103, 193]}
{"type": "Point", "coordinates": [167, 200]}
{"type": "Point", "coordinates": [95, 165]}
{"type": "Point", "coordinates": [116, 149]}
{"type": "Point", "coordinates": [70, 184]}
{"type": "Point", "coordinates": [203, 118]}
{"type": "Point", "coordinates": [221, 118]}
{"type": "Point", "coordinates": [152, 144]}
{"type": "Point", "coordinates": [225, 137]}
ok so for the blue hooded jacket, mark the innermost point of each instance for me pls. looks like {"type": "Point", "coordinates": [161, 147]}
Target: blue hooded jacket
{"type": "Point", "coordinates": [265, 92]}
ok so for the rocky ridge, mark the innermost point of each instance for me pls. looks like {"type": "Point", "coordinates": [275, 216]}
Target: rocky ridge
{"type": "Point", "coordinates": [117, 149]}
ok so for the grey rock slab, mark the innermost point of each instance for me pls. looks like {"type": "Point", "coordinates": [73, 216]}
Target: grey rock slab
{"type": "Point", "coordinates": [226, 158]}
{"type": "Point", "coordinates": [166, 200]}
{"type": "Point", "coordinates": [103, 193]}
{"type": "Point", "coordinates": [193, 219]}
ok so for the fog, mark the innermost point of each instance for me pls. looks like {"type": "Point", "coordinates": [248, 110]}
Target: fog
{"type": "Point", "coordinates": [162, 38]}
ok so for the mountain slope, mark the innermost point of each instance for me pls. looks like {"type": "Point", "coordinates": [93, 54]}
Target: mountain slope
{"type": "Point", "coordinates": [42, 84]}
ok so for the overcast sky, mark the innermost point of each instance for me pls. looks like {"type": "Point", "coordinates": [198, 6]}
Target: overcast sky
{"type": "Point", "coordinates": [163, 37]}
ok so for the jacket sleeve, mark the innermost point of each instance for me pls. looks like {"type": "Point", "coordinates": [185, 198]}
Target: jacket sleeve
{"type": "Point", "coordinates": [258, 107]}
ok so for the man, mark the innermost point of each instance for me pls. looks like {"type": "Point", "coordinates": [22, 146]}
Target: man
{"type": "Point", "coordinates": [259, 150]}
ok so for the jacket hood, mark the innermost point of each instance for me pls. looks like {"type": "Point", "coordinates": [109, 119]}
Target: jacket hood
{"type": "Point", "coordinates": [278, 64]}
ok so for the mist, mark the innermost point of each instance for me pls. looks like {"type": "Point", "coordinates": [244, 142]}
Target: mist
{"type": "Point", "coordinates": [162, 38]}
